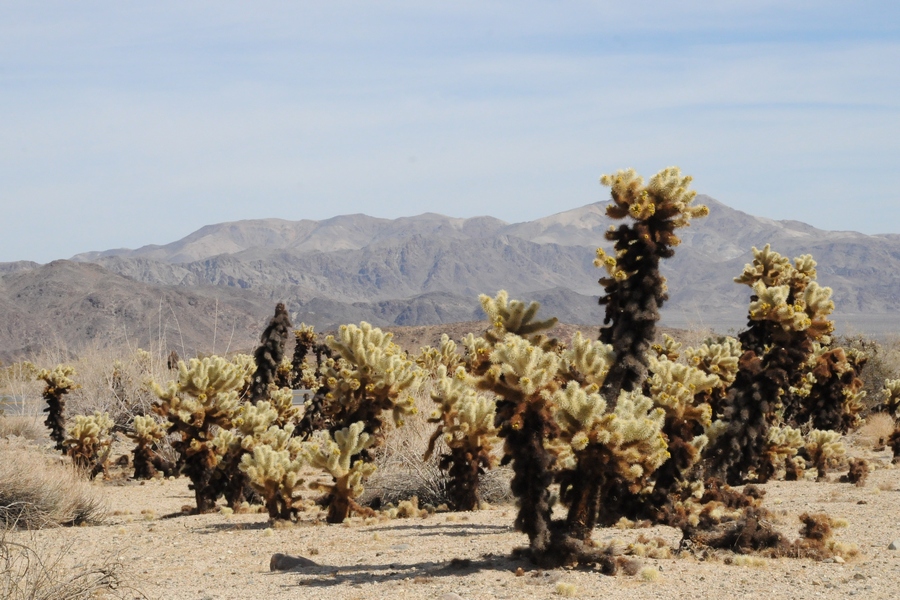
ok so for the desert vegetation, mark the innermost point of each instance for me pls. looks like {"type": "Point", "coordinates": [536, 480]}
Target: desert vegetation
{"type": "Point", "coordinates": [632, 429]}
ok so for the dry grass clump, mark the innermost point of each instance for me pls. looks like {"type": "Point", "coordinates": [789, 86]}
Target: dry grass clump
{"type": "Point", "coordinates": [876, 430]}
{"type": "Point", "coordinates": [28, 427]}
{"type": "Point", "coordinates": [30, 570]}
{"type": "Point", "coordinates": [36, 490]}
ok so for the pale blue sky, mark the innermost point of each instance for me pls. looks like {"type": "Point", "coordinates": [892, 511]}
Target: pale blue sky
{"type": "Point", "coordinates": [127, 123]}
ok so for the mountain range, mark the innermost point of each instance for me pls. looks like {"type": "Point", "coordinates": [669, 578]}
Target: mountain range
{"type": "Point", "coordinates": [218, 285]}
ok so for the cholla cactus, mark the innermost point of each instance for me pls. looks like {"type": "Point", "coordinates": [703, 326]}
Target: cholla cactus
{"type": "Point", "coordinates": [891, 402]}
{"type": "Point", "coordinates": [204, 397]}
{"type": "Point", "coordinates": [780, 453]}
{"type": "Point", "coordinates": [668, 348]}
{"type": "Point", "coordinates": [88, 442]}
{"type": "Point", "coordinates": [371, 375]}
{"type": "Point", "coordinates": [446, 354]}
{"type": "Point", "coordinates": [634, 288]}
{"type": "Point", "coordinates": [58, 383]}
{"type": "Point", "coordinates": [276, 476]}
{"type": "Point", "coordinates": [891, 395]}
{"type": "Point", "coordinates": [147, 433]}
{"type": "Point", "coordinates": [824, 449]}
{"type": "Point", "coordinates": [613, 454]}
{"type": "Point", "coordinates": [549, 410]}
{"type": "Point", "coordinates": [335, 454]}
{"type": "Point", "coordinates": [269, 354]}
{"type": "Point", "coordinates": [514, 316]}
{"type": "Point", "coordinates": [466, 424]}
{"type": "Point", "coordinates": [681, 391]}
{"type": "Point", "coordinates": [788, 321]}
{"type": "Point", "coordinates": [717, 357]}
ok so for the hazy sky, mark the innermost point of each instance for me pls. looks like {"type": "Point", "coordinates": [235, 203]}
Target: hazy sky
{"type": "Point", "coordinates": [130, 123]}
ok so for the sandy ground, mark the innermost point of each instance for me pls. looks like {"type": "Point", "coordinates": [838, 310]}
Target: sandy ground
{"type": "Point", "coordinates": [170, 555]}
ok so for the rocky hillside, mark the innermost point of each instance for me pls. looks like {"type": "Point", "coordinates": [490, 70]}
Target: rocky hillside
{"type": "Point", "coordinates": [419, 270]}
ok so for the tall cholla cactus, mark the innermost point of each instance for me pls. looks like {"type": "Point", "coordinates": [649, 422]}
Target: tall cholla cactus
{"type": "Point", "coordinates": [719, 357]}
{"type": "Point", "coordinates": [270, 353]}
{"type": "Point", "coordinates": [335, 454]}
{"type": "Point", "coordinates": [88, 442]}
{"type": "Point", "coordinates": [634, 288]}
{"type": "Point", "coordinates": [204, 397]}
{"type": "Point", "coordinates": [370, 376]}
{"type": "Point", "coordinates": [58, 383]}
{"type": "Point", "coordinates": [466, 424]}
{"type": "Point", "coordinates": [147, 433]}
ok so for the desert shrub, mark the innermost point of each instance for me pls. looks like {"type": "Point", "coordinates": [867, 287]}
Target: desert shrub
{"type": "Point", "coordinates": [37, 490]}
{"type": "Point", "coordinates": [401, 472]}
{"type": "Point", "coordinates": [26, 427]}
{"type": "Point", "coordinates": [33, 570]}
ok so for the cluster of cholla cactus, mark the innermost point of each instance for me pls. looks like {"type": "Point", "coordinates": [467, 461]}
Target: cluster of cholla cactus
{"type": "Point", "coordinates": [58, 383]}
{"type": "Point", "coordinates": [556, 426]}
{"type": "Point", "coordinates": [788, 373]}
{"type": "Point", "coordinates": [88, 442]}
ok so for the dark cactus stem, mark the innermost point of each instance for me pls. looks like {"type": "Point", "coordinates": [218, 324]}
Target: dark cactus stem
{"type": "Point", "coordinates": [56, 421]}
{"type": "Point", "coordinates": [172, 360]}
{"type": "Point", "coordinates": [835, 376]}
{"type": "Point", "coordinates": [524, 430]}
{"type": "Point", "coordinates": [270, 353]}
{"type": "Point", "coordinates": [750, 411]}
{"type": "Point", "coordinates": [633, 303]}
{"type": "Point", "coordinates": [143, 462]}
{"type": "Point", "coordinates": [464, 468]}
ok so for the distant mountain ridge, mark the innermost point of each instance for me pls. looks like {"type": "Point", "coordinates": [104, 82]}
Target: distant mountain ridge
{"type": "Point", "coordinates": [429, 269]}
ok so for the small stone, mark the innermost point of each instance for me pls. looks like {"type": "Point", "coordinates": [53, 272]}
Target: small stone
{"type": "Point", "coordinates": [895, 545]}
{"type": "Point", "coordinates": [285, 562]}
{"type": "Point", "coordinates": [858, 576]}
{"type": "Point", "coordinates": [400, 547]}
{"type": "Point", "coordinates": [839, 560]}
{"type": "Point", "coordinates": [520, 571]}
